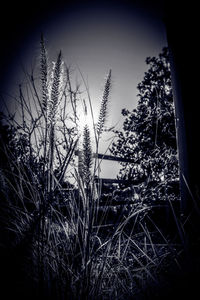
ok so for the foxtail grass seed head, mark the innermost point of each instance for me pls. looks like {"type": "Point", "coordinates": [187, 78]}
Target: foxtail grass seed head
{"type": "Point", "coordinates": [55, 88]}
{"type": "Point", "coordinates": [104, 105]}
{"type": "Point", "coordinates": [44, 74]}
{"type": "Point", "coordinates": [87, 154]}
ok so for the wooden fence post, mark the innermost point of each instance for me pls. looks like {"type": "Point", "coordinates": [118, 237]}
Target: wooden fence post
{"type": "Point", "coordinates": [182, 24]}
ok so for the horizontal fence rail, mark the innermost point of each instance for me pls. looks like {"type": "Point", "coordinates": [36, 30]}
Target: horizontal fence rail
{"type": "Point", "coordinates": [119, 181]}
{"type": "Point", "coordinates": [113, 158]}
{"type": "Point", "coordinates": [108, 157]}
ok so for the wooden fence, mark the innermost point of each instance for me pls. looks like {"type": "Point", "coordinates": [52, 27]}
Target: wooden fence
{"type": "Point", "coordinates": [118, 197]}
{"type": "Point", "coordinates": [125, 196]}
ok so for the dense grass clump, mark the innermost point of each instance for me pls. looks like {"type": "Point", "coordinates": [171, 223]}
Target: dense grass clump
{"type": "Point", "coordinates": [57, 240]}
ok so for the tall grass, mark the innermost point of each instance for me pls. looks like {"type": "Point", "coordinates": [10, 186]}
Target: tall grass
{"type": "Point", "coordinates": [58, 231]}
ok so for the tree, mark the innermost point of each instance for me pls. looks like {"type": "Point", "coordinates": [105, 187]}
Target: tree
{"type": "Point", "coordinates": [149, 135]}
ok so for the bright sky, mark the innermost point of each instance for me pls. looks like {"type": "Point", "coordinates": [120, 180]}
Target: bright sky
{"type": "Point", "coordinates": [96, 38]}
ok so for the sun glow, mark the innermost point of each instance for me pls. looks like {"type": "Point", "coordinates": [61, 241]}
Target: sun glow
{"type": "Point", "coordinates": [85, 118]}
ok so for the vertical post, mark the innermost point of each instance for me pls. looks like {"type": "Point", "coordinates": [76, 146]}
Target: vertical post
{"type": "Point", "coordinates": [182, 32]}
{"type": "Point", "coordinates": [180, 133]}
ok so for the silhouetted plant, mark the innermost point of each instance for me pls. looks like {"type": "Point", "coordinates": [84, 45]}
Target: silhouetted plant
{"type": "Point", "coordinates": [149, 135]}
{"type": "Point", "coordinates": [55, 228]}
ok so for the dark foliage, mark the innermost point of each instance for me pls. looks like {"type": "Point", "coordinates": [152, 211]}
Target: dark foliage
{"type": "Point", "coordinates": [149, 135]}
